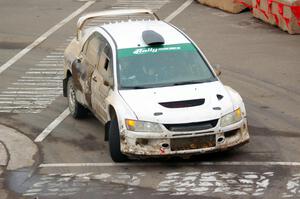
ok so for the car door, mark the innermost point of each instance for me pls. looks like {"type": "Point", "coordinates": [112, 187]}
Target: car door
{"type": "Point", "coordinates": [82, 71]}
{"type": "Point", "coordinates": [102, 80]}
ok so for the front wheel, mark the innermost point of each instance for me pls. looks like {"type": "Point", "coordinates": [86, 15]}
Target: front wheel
{"type": "Point", "coordinates": [76, 109]}
{"type": "Point", "coordinates": [114, 142]}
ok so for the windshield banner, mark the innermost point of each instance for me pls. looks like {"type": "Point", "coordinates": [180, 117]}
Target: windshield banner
{"type": "Point", "coordinates": [127, 52]}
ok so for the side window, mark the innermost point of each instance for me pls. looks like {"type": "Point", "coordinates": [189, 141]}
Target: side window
{"type": "Point", "coordinates": [92, 48]}
{"type": "Point", "coordinates": [105, 61]}
{"type": "Point", "coordinates": [105, 58]}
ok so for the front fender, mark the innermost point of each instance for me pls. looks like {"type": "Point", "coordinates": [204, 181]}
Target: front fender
{"type": "Point", "coordinates": [236, 99]}
{"type": "Point", "coordinates": [122, 110]}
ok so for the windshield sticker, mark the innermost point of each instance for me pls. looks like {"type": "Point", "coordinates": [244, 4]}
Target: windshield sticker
{"type": "Point", "coordinates": [126, 52]}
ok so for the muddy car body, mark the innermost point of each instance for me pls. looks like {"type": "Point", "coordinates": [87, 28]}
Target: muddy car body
{"type": "Point", "coordinates": [152, 88]}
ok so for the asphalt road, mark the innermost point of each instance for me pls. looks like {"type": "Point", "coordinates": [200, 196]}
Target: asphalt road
{"type": "Point", "coordinates": [260, 61]}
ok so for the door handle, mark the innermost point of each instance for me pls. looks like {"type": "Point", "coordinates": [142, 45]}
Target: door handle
{"type": "Point", "coordinates": [94, 78]}
{"type": "Point", "coordinates": [79, 58]}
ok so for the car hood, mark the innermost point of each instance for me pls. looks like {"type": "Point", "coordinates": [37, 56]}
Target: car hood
{"type": "Point", "coordinates": [153, 104]}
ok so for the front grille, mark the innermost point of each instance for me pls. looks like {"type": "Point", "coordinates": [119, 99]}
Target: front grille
{"type": "Point", "coordinates": [195, 126]}
{"type": "Point", "coordinates": [183, 104]}
{"type": "Point", "coordinates": [201, 142]}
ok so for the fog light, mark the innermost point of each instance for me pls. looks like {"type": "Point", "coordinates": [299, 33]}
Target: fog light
{"type": "Point", "coordinates": [221, 139]}
{"type": "Point", "coordinates": [165, 145]}
{"type": "Point", "coordinates": [141, 141]}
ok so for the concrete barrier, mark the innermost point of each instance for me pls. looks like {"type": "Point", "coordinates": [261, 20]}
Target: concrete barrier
{"type": "Point", "coordinates": [282, 13]}
{"type": "Point", "coordinates": [232, 6]}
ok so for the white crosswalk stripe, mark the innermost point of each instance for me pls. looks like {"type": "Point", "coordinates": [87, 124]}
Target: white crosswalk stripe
{"type": "Point", "coordinates": [38, 88]}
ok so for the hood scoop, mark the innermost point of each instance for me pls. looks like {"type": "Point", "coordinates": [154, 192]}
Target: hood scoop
{"type": "Point", "coordinates": [151, 38]}
{"type": "Point", "coordinates": [183, 104]}
{"type": "Point", "coordinates": [219, 96]}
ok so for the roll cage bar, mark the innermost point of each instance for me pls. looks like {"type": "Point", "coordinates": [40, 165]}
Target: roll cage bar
{"type": "Point", "coordinates": [82, 20]}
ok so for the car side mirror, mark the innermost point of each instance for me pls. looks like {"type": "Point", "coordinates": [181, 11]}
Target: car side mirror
{"type": "Point", "coordinates": [217, 69]}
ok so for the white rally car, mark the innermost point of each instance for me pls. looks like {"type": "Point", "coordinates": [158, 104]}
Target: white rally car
{"type": "Point", "coordinates": [152, 88]}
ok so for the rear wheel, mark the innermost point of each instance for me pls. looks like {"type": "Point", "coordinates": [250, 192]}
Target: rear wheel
{"type": "Point", "coordinates": [76, 109]}
{"type": "Point", "coordinates": [114, 142]}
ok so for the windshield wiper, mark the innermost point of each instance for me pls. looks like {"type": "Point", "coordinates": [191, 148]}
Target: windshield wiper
{"type": "Point", "coordinates": [189, 82]}
{"type": "Point", "coordinates": [135, 87]}
{"type": "Point", "coordinates": [171, 84]}
{"type": "Point", "coordinates": [193, 82]}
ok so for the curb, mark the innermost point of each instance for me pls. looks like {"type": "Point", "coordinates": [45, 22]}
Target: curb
{"type": "Point", "coordinates": [19, 149]}
{"type": "Point", "coordinates": [3, 163]}
{"type": "Point", "coordinates": [3, 156]}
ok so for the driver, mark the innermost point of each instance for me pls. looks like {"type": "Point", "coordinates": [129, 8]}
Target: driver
{"type": "Point", "coordinates": [149, 73]}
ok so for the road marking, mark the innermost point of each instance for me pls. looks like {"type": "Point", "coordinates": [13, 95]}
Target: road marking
{"type": "Point", "coordinates": [33, 93]}
{"type": "Point", "coordinates": [59, 49]}
{"type": "Point", "coordinates": [45, 69]}
{"type": "Point", "coordinates": [39, 80]}
{"type": "Point", "coordinates": [178, 11]}
{"type": "Point", "coordinates": [22, 107]}
{"type": "Point", "coordinates": [31, 77]}
{"type": "Point", "coordinates": [33, 89]}
{"type": "Point", "coordinates": [50, 61]}
{"type": "Point", "coordinates": [46, 72]}
{"type": "Point", "coordinates": [52, 92]}
{"type": "Point", "coordinates": [59, 84]}
{"type": "Point", "coordinates": [222, 163]}
{"type": "Point", "coordinates": [215, 182]}
{"type": "Point", "coordinates": [55, 56]}
{"type": "Point", "coordinates": [52, 126]}
{"type": "Point", "coordinates": [29, 95]}
{"type": "Point", "coordinates": [25, 98]}
{"type": "Point", "coordinates": [57, 53]}
{"type": "Point", "coordinates": [179, 183]}
{"type": "Point", "coordinates": [20, 102]}
{"type": "Point", "coordinates": [44, 36]}
{"type": "Point", "coordinates": [50, 58]}
{"type": "Point", "coordinates": [49, 64]}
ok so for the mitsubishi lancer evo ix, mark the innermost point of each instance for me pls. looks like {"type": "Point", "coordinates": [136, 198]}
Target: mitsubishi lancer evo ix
{"type": "Point", "coordinates": [152, 88]}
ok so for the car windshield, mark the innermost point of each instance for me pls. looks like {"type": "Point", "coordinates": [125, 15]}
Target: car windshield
{"type": "Point", "coordinates": [164, 65]}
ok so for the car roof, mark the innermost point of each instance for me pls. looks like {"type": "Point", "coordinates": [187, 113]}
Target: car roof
{"type": "Point", "coordinates": [129, 34]}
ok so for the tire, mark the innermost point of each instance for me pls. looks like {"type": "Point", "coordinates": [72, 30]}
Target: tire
{"type": "Point", "coordinates": [76, 109]}
{"type": "Point", "coordinates": [114, 142]}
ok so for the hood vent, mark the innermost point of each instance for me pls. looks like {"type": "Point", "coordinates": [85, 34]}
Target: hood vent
{"type": "Point", "coordinates": [219, 96]}
{"type": "Point", "coordinates": [183, 104]}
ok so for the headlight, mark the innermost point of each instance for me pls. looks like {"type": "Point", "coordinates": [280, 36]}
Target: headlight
{"type": "Point", "coordinates": [231, 118]}
{"type": "Point", "coordinates": [141, 126]}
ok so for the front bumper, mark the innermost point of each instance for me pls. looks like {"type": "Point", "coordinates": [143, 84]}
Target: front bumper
{"type": "Point", "coordinates": [184, 143]}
